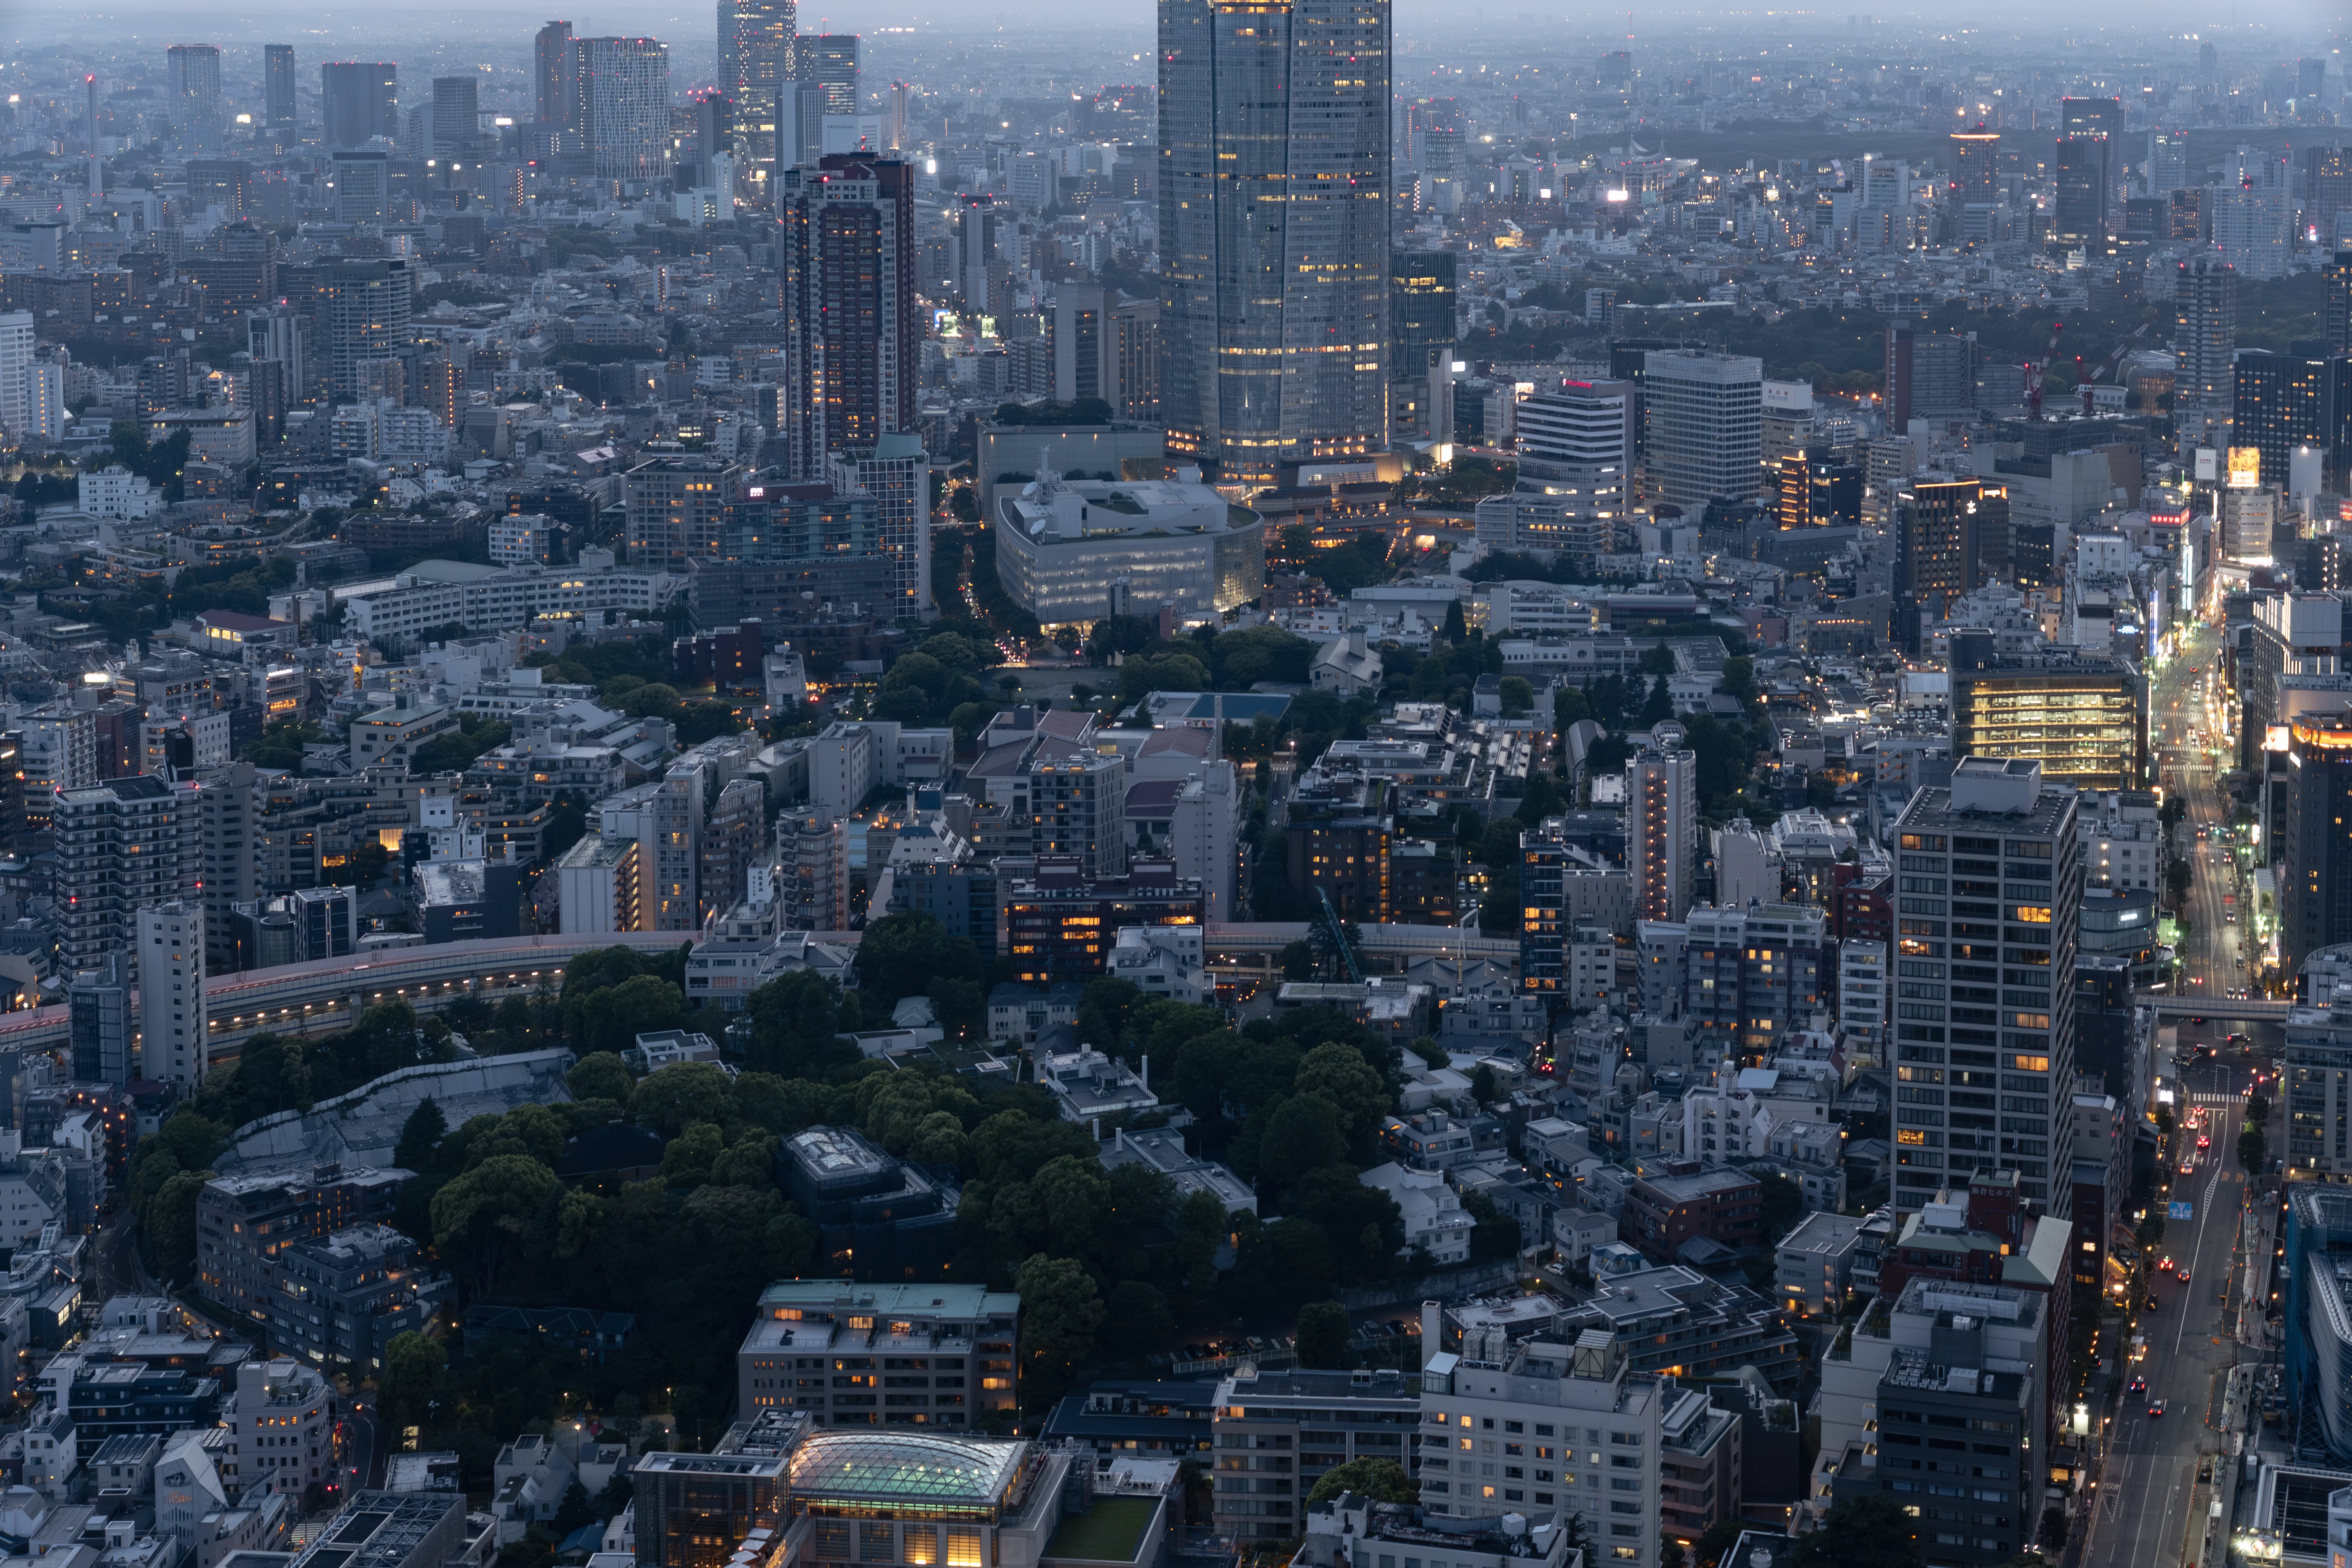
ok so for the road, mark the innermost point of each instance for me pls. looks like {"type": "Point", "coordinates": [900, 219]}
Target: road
{"type": "Point", "coordinates": [2149, 1498]}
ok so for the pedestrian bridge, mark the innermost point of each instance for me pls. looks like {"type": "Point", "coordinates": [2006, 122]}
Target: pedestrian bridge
{"type": "Point", "coordinates": [2238, 1009]}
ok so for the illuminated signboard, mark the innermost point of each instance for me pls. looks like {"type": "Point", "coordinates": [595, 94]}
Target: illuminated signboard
{"type": "Point", "coordinates": [2245, 467]}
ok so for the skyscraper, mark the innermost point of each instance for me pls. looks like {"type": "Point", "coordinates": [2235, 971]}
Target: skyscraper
{"type": "Point", "coordinates": [1991, 908]}
{"type": "Point", "coordinates": [172, 1015]}
{"type": "Point", "coordinates": [894, 473]}
{"type": "Point", "coordinates": [2315, 849]}
{"type": "Point", "coordinates": [278, 106]}
{"type": "Point", "coordinates": [2099, 120]}
{"type": "Point", "coordinates": [2299, 398]}
{"type": "Point", "coordinates": [457, 114]}
{"type": "Point", "coordinates": [829, 60]}
{"type": "Point", "coordinates": [1706, 416]}
{"type": "Point", "coordinates": [624, 107]}
{"type": "Point", "coordinates": [1275, 187]}
{"type": "Point", "coordinates": [1939, 530]}
{"type": "Point", "coordinates": [2078, 212]}
{"type": "Point", "coordinates": [556, 79]}
{"type": "Point", "coordinates": [192, 82]}
{"type": "Point", "coordinates": [123, 845]}
{"type": "Point", "coordinates": [358, 100]}
{"type": "Point", "coordinates": [1976, 167]}
{"type": "Point", "coordinates": [2336, 317]}
{"type": "Point", "coordinates": [2252, 214]}
{"type": "Point", "coordinates": [365, 315]}
{"type": "Point", "coordinates": [2168, 162]}
{"type": "Point", "coordinates": [1662, 824]}
{"type": "Point", "coordinates": [2205, 331]}
{"type": "Point", "coordinates": [755, 48]}
{"type": "Point", "coordinates": [847, 256]}
{"type": "Point", "coordinates": [2327, 193]}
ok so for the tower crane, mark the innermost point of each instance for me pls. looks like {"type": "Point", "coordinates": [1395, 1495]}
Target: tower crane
{"type": "Point", "coordinates": [2034, 372]}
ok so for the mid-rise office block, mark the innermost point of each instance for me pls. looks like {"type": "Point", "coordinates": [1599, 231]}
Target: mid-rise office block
{"type": "Point", "coordinates": [2077, 716]}
{"type": "Point", "coordinates": [1275, 1432]}
{"type": "Point", "coordinates": [1705, 425]}
{"type": "Point", "coordinates": [1060, 924]}
{"type": "Point", "coordinates": [951, 1346]}
{"type": "Point", "coordinates": [1990, 887]}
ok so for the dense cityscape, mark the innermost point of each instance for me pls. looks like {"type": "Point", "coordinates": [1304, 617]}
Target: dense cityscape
{"type": "Point", "coordinates": [1279, 787]}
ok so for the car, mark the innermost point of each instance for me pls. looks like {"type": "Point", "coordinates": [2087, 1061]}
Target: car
{"type": "Point", "coordinates": [2151, 1305]}
{"type": "Point", "coordinates": [2188, 1167]}
{"type": "Point", "coordinates": [2196, 1020]}
{"type": "Point", "coordinates": [2138, 1385]}
{"type": "Point", "coordinates": [2204, 1141]}
{"type": "Point", "coordinates": [2183, 1275]}
{"type": "Point", "coordinates": [2154, 1407]}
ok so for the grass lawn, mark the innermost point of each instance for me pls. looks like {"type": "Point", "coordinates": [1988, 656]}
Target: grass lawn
{"type": "Point", "coordinates": [1109, 1532]}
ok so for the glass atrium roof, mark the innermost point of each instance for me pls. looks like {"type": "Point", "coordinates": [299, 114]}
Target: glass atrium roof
{"type": "Point", "coordinates": [905, 1467]}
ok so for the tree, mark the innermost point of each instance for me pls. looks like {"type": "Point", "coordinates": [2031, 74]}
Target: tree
{"type": "Point", "coordinates": [1784, 1205]}
{"type": "Point", "coordinates": [1381, 1480]}
{"type": "Point", "coordinates": [601, 1075]}
{"type": "Point", "coordinates": [420, 1135]}
{"type": "Point", "coordinates": [1873, 1530]}
{"type": "Point", "coordinates": [682, 1093]}
{"type": "Point", "coordinates": [1298, 960]}
{"type": "Point", "coordinates": [2252, 1154]}
{"type": "Point", "coordinates": [412, 1366]}
{"type": "Point", "coordinates": [1715, 1540]}
{"type": "Point", "coordinates": [1517, 695]}
{"type": "Point", "coordinates": [1060, 1312]}
{"type": "Point", "coordinates": [796, 1025]}
{"type": "Point", "coordinates": [1323, 1335]}
{"type": "Point", "coordinates": [1138, 1320]}
{"type": "Point", "coordinates": [486, 1218]}
{"type": "Point", "coordinates": [903, 955]}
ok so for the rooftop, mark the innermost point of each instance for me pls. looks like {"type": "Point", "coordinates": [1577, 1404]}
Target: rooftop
{"type": "Point", "coordinates": [907, 1468]}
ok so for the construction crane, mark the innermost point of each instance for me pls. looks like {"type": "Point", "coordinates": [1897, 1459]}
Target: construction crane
{"type": "Point", "coordinates": [2034, 372]}
{"type": "Point", "coordinates": [1335, 931]}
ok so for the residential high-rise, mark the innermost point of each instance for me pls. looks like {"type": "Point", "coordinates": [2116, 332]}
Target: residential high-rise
{"type": "Point", "coordinates": [555, 78]}
{"type": "Point", "coordinates": [457, 113]}
{"type": "Point", "coordinates": [663, 819]}
{"type": "Point", "coordinates": [1662, 824]}
{"type": "Point", "coordinates": [2205, 331]}
{"type": "Point", "coordinates": [358, 100]}
{"type": "Point", "coordinates": [1940, 526]}
{"type": "Point", "coordinates": [830, 61]}
{"type": "Point", "coordinates": [847, 251]}
{"type": "Point", "coordinates": [755, 48]}
{"type": "Point", "coordinates": [1080, 806]}
{"type": "Point", "coordinates": [1991, 891]}
{"type": "Point", "coordinates": [122, 845]}
{"type": "Point", "coordinates": [2252, 214]}
{"type": "Point", "coordinates": [2168, 162]}
{"type": "Point", "coordinates": [279, 110]}
{"type": "Point", "coordinates": [363, 311]}
{"type": "Point", "coordinates": [673, 508]}
{"type": "Point", "coordinates": [32, 390]}
{"type": "Point", "coordinates": [2300, 398]}
{"type": "Point", "coordinates": [2326, 194]}
{"type": "Point", "coordinates": [2336, 315]}
{"type": "Point", "coordinates": [734, 838]}
{"type": "Point", "coordinates": [1260, 374]}
{"type": "Point", "coordinates": [172, 1019]}
{"type": "Point", "coordinates": [624, 107]}
{"type": "Point", "coordinates": [99, 1028]}
{"type": "Point", "coordinates": [1706, 416]}
{"type": "Point", "coordinates": [192, 86]}
{"type": "Point", "coordinates": [894, 472]}
{"type": "Point", "coordinates": [1976, 167]}
{"type": "Point", "coordinates": [812, 849]}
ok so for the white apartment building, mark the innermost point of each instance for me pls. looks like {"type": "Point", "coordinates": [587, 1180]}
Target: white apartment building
{"type": "Point", "coordinates": [1862, 988]}
{"type": "Point", "coordinates": [171, 1017]}
{"type": "Point", "coordinates": [522, 540]}
{"type": "Point", "coordinates": [115, 493]}
{"type": "Point", "coordinates": [281, 1428]}
{"type": "Point", "coordinates": [489, 599]}
{"type": "Point", "coordinates": [2117, 852]}
{"type": "Point", "coordinates": [1662, 838]}
{"type": "Point", "coordinates": [1435, 1219]}
{"type": "Point", "coordinates": [1590, 969]}
{"type": "Point", "coordinates": [1572, 1426]}
{"type": "Point", "coordinates": [1162, 961]}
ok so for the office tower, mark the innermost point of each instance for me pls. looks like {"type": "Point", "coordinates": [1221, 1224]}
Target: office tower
{"type": "Point", "coordinates": [899, 116]}
{"type": "Point", "coordinates": [1578, 442]}
{"type": "Point", "coordinates": [457, 114]}
{"type": "Point", "coordinates": [1078, 333]}
{"type": "Point", "coordinates": [2252, 214]}
{"type": "Point", "coordinates": [2326, 195]}
{"type": "Point", "coordinates": [358, 100]}
{"type": "Point", "coordinates": [192, 90]}
{"type": "Point", "coordinates": [2205, 331]}
{"type": "Point", "coordinates": [1422, 337]}
{"type": "Point", "coordinates": [278, 105]}
{"type": "Point", "coordinates": [2186, 217]}
{"type": "Point", "coordinates": [1927, 375]}
{"type": "Point", "coordinates": [17, 368]}
{"type": "Point", "coordinates": [365, 310]}
{"type": "Point", "coordinates": [2099, 121]}
{"type": "Point", "coordinates": [2315, 848]}
{"type": "Point", "coordinates": [554, 73]}
{"type": "Point", "coordinates": [624, 107]}
{"type": "Point", "coordinates": [2209, 68]}
{"type": "Point", "coordinates": [1251, 383]}
{"type": "Point", "coordinates": [1662, 824]}
{"type": "Point", "coordinates": [362, 187]}
{"type": "Point", "coordinates": [846, 253]}
{"type": "Point", "coordinates": [2336, 314]}
{"type": "Point", "coordinates": [714, 134]}
{"type": "Point", "coordinates": [171, 994]}
{"type": "Point", "coordinates": [1991, 898]}
{"type": "Point", "coordinates": [1976, 167]}
{"type": "Point", "coordinates": [95, 181]}
{"type": "Point", "coordinates": [2310, 81]}
{"type": "Point", "coordinates": [755, 48]}
{"type": "Point", "coordinates": [2078, 212]}
{"type": "Point", "coordinates": [2168, 162]}
{"type": "Point", "coordinates": [1816, 490]}
{"type": "Point", "coordinates": [2074, 714]}
{"type": "Point", "coordinates": [830, 61]}
{"type": "Point", "coordinates": [236, 263]}
{"type": "Point", "coordinates": [798, 125]}
{"type": "Point", "coordinates": [2300, 398]}
{"type": "Point", "coordinates": [894, 473]}
{"type": "Point", "coordinates": [1939, 528]}
{"type": "Point", "coordinates": [122, 845]}
{"type": "Point", "coordinates": [1706, 413]}
{"type": "Point", "coordinates": [12, 790]}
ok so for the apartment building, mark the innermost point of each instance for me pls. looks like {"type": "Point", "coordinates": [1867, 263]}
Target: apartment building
{"type": "Point", "coordinates": [880, 1356]}
{"type": "Point", "coordinates": [1277, 1432]}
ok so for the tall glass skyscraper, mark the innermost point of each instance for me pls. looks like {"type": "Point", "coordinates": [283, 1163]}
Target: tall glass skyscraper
{"type": "Point", "coordinates": [278, 106]}
{"type": "Point", "coordinates": [1274, 231]}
